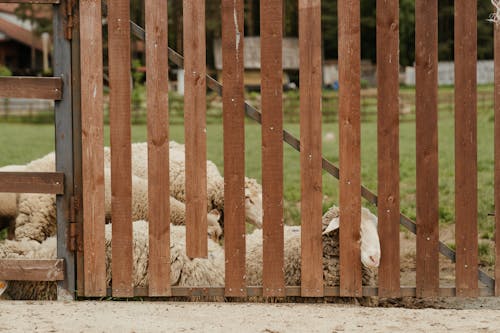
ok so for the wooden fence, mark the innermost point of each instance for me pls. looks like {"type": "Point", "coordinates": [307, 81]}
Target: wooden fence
{"type": "Point", "coordinates": [82, 162]}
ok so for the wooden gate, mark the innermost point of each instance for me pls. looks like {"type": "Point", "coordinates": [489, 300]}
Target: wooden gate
{"type": "Point", "coordinates": [92, 278]}
{"type": "Point", "coordinates": [61, 182]}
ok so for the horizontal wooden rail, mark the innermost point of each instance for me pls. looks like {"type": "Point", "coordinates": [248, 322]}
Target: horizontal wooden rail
{"type": "Point", "coordinates": [294, 291]}
{"type": "Point", "coordinates": [32, 182]}
{"type": "Point", "coordinates": [31, 87]}
{"type": "Point", "coordinates": [32, 270]}
{"type": "Point", "coordinates": [32, 1]}
{"type": "Point", "coordinates": [328, 166]}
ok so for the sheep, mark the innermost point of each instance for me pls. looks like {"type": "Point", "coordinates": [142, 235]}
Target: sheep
{"type": "Point", "coordinates": [37, 212]}
{"type": "Point", "coordinates": [215, 182]}
{"type": "Point", "coordinates": [370, 252]}
{"type": "Point", "coordinates": [8, 203]}
{"type": "Point", "coordinates": [183, 270]}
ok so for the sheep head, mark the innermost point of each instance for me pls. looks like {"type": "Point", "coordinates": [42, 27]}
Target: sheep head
{"type": "Point", "coordinates": [253, 202]}
{"type": "Point", "coordinates": [369, 243]}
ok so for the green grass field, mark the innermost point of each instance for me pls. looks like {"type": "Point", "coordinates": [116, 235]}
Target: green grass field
{"type": "Point", "coordinates": [20, 143]}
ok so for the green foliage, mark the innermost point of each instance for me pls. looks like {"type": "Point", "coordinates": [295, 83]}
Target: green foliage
{"type": "Point", "coordinates": [5, 71]}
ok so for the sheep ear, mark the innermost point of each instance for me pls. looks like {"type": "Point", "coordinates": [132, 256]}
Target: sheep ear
{"type": "Point", "coordinates": [334, 225]}
{"type": "Point", "coordinates": [3, 287]}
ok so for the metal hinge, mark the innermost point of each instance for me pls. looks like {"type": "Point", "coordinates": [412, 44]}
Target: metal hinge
{"type": "Point", "coordinates": [74, 206]}
{"type": "Point", "coordinates": [68, 22]}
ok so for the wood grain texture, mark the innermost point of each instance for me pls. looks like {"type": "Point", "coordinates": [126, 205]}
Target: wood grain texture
{"type": "Point", "coordinates": [350, 151]}
{"type": "Point", "coordinates": [234, 147]}
{"type": "Point", "coordinates": [195, 127]}
{"type": "Point", "coordinates": [32, 1]}
{"type": "Point", "coordinates": [120, 139]}
{"type": "Point", "coordinates": [426, 58]}
{"type": "Point", "coordinates": [64, 150]}
{"type": "Point", "coordinates": [310, 147]}
{"type": "Point", "coordinates": [31, 87]}
{"type": "Point", "coordinates": [497, 157]}
{"type": "Point", "coordinates": [32, 270]}
{"type": "Point", "coordinates": [466, 147]}
{"type": "Point", "coordinates": [388, 145]}
{"type": "Point", "coordinates": [92, 147]}
{"type": "Point", "coordinates": [158, 147]}
{"type": "Point", "coordinates": [77, 150]}
{"type": "Point", "coordinates": [271, 30]}
{"type": "Point", "coordinates": [32, 182]}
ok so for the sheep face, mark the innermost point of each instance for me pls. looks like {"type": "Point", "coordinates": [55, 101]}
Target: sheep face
{"type": "Point", "coordinates": [369, 243]}
{"type": "Point", "coordinates": [253, 202]}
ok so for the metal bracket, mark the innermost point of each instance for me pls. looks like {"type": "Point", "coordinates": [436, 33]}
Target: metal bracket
{"type": "Point", "coordinates": [69, 17]}
{"type": "Point", "coordinates": [73, 212]}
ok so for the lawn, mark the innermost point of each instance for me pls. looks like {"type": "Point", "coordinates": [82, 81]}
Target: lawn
{"type": "Point", "coordinates": [21, 143]}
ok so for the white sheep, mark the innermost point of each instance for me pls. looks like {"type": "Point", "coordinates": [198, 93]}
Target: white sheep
{"type": "Point", "coordinates": [215, 181]}
{"type": "Point", "coordinates": [183, 270]}
{"type": "Point", "coordinates": [370, 251]}
{"type": "Point", "coordinates": [37, 212]}
{"type": "Point", "coordinates": [8, 203]}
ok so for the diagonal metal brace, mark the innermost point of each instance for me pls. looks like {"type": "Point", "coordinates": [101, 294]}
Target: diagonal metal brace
{"type": "Point", "coordinates": [328, 166]}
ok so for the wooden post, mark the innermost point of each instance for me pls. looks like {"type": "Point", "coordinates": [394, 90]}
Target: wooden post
{"type": "Point", "coordinates": [271, 31]}
{"type": "Point", "coordinates": [426, 58]}
{"type": "Point", "coordinates": [64, 151]}
{"type": "Point", "coordinates": [120, 135]}
{"type": "Point", "coordinates": [466, 147]}
{"type": "Point", "coordinates": [310, 147]}
{"type": "Point", "coordinates": [234, 147]}
{"type": "Point", "coordinates": [388, 145]}
{"type": "Point", "coordinates": [92, 147]}
{"type": "Point", "coordinates": [195, 128]}
{"type": "Point", "coordinates": [497, 158]}
{"type": "Point", "coordinates": [350, 150]}
{"type": "Point", "coordinates": [158, 147]}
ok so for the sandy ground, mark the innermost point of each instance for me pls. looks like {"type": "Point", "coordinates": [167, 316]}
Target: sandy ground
{"type": "Point", "coordinates": [91, 316]}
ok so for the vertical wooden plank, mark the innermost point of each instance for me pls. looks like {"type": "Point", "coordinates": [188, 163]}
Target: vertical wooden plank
{"type": "Point", "coordinates": [271, 32]}
{"type": "Point", "coordinates": [92, 147]}
{"type": "Point", "coordinates": [388, 145]}
{"type": "Point", "coordinates": [466, 147]}
{"type": "Point", "coordinates": [310, 147]}
{"type": "Point", "coordinates": [120, 138]}
{"type": "Point", "coordinates": [64, 151]}
{"type": "Point", "coordinates": [233, 101]}
{"type": "Point", "coordinates": [426, 58]}
{"type": "Point", "coordinates": [158, 147]}
{"type": "Point", "coordinates": [195, 127]}
{"type": "Point", "coordinates": [77, 150]}
{"type": "Point", "coordinates": [350, 151]}
{"type": "Point", "coordinates": [497, 158]}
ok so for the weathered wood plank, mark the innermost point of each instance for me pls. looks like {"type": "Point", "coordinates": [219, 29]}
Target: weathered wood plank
{"type": "Point", "coordinates": [64, 150]}
{"type": "Point", "coordinates": [31, 87]}
{"type": "Point", "coordinates": [497, 157]}
{"type": "Point", "coordinates": [466, 147]}
{"type": "Point", "coordinates": [310, 147]}
{"type": "Point", "coordinates": [294, 291]}
{"type": "Point", "coordinates": [120, 139]}
{"type": "Point", "coordinates": [350, 151]}
{"type": "Point", "coordinates": [32, 270]}
{"type": "Point", "coordinates": [32, 1]}
{"type": "Point", "coordinates": [426, 57]}
{"type": "Point", "coordinates": [388, 145]}
{"type": "Point", "coordinates": [271, 31]}
{"type": "Point", "coordinates": [92, 147]}
{"type": "Point", "coordinates": [32, 182]}
{"type": "Point", "coordinates": [234, 147]}
{"type": "Point", "coordinates": [77, 150]}
{"type": "Point", "coordinates": [158, 147]}
{"type": "Point", "coordinates": [195, 127]}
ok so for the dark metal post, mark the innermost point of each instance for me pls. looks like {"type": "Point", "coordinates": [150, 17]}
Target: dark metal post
{"type": "Point", "coordinates": [64, 149]}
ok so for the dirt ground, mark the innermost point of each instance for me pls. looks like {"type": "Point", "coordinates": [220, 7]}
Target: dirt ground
{"type": "Point", "coordinates": [92, 316]}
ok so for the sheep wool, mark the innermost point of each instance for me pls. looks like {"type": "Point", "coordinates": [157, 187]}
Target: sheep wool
{"type": "Point", "coordinates": [184, 271]}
